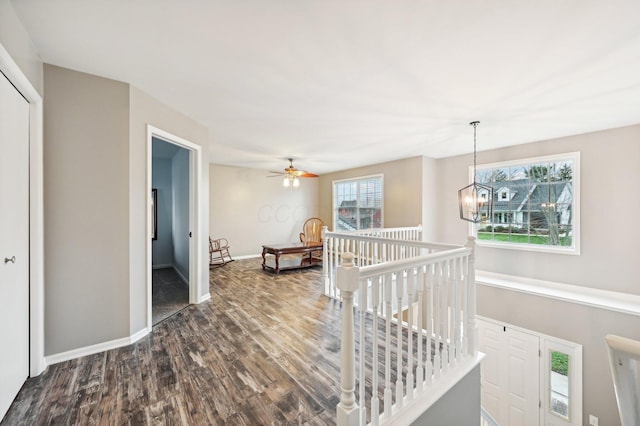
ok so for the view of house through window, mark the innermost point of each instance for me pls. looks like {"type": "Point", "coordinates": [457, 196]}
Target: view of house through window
{"type": "Point", "coordinates": [533, 202]}
{"type": "Point", "coordinates": [357, 203]}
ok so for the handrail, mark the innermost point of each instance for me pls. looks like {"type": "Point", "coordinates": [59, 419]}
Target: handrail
{"type": "Point", "coordinates": [392, 244]}
{"type": "Point", "coordinates": [417, 228]}
{"type": "Point", "coordinates": [384, 268]}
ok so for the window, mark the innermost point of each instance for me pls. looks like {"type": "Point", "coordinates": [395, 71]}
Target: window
{"type": "Point", "coordinates": [357, 203]}
{"type": "Point", "coordinates": [535, 204]}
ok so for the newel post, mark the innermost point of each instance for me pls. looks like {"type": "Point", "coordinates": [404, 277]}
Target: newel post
{"type": "Point", "coordinates": [471, 298]}
{"type": "Point", "coordinates": [347, 281]}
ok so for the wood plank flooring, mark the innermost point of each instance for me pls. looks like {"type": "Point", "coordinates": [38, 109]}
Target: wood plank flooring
{"type": "Point", "coordinates": [169, 294]}
{"type": "Point", "coordinates": [263, 350]}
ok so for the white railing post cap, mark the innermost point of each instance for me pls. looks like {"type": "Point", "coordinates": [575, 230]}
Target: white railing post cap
{"type": "Point", "coordinates": [347, 259]}
{"type": "Point", "coordinates": [348, 275]}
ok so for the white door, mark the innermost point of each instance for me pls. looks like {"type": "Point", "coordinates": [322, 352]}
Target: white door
{"type": "Point", "coordinates": [510, 374]}
{"type": "Point", "coordinates": [14, 242]}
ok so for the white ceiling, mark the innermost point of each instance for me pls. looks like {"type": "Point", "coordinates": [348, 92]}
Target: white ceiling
{"type": "Point", "coordinates": [341, 83]}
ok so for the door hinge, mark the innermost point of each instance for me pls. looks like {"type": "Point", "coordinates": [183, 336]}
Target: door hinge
{"type": "Point", "coordinates": [539, 404]}
{"type": "Point", "coordinates": [189, 234]}
{"type": "Point", "coordinates": [539, 353]}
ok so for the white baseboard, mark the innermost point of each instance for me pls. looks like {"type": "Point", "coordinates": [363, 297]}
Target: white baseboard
{"type": "Point", "coordinates": [94, 349]}
{"type": "Point", "coordinates": [247, 256]}
{"type": "Point", "coordinates": [162, 266]}
{"type": "Point", "coordinates": [204, 298]}
{"type": "Point", "coordinates": [182, 277]}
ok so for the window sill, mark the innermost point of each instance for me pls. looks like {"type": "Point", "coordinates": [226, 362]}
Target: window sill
{"type": "Point", "coordinates": [603, 299]}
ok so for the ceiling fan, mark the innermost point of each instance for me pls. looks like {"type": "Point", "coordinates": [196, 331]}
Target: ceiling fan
{"type": "Point", "coordinates": [291, 175]}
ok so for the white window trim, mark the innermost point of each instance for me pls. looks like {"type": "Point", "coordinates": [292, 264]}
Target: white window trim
{"type": "Point", "coordinates": [575, 249]}
{"type": "Point", "coordinates": [333, 196]}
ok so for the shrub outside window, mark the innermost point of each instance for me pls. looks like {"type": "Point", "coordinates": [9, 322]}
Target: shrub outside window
{"type": "Point", "coordinates": [535, 204]}
{"type": "Point", "coordinates": [357, 203]}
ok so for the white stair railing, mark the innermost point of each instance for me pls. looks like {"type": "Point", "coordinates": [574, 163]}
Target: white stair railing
{"type": "Point", "coordinates": [371, 247]}
{"type": "Point", "coordinates": [421, 311]}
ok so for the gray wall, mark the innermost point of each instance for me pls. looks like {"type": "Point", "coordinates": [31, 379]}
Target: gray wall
{"type": "Point", "coordinates": [609, 173]}
{"type": "Point", "coordinates": [458, 407]}
{"type": "Point", "coordinates": [147, 110]}
{"type": "Point", "coordinates": [249, 209]}
{"type": "Point", "coordinates": [609, 170]}
{"type": "Point", "coordinates": [162, 254]}
{"type": "Point", "coordinates": [403, 187]}
{"type": "Point", "coordinates": [95, 206]}
{"type": "Point", "coordinates": [180, 189]}
{"type": "Point", "coordinates": [86, 190]}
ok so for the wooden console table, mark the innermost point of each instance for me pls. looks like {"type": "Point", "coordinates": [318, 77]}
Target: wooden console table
{"type": "Point", "coordinates": [278, 250]}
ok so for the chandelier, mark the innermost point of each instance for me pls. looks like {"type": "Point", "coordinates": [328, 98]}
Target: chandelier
{"type": "Point", "coordinates": [475, 200]}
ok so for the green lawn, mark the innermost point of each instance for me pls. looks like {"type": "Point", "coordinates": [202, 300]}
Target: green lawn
{"type": "Point", "coordinates": [520, 238]}
{"type": "Point", "coordinates": [560, 363]}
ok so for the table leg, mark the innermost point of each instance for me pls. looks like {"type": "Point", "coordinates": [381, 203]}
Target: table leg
{"type": "Point", "coordinates": [277, 263]}
{"type": "Point", "coordinates": [264, 259]}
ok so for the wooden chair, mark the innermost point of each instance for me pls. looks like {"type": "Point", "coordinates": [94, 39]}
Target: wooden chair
{"type": "Point", "coordinates": [219, 252]}
{"type": "Point", "coordinates": [312, 231]}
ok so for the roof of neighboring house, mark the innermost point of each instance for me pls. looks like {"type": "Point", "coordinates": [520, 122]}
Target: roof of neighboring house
{"type": "Point", "coordinates": [526, 198]}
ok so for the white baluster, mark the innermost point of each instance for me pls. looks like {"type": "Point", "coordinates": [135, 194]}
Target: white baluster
{"type": "Point", "coordinates": [376, 252]}
{"type": "Point", "coordinates": [348, 279]}
{"type": "Point", "coordinates": [362, 295]}
{"type": "Point", "coordinates": [387, 360]}
{"type": "Point", "coordinates": [325, 263]}
{"type": "Point", "coordinates": [399, 293]}
{"type": "Point", "coordinates": [471, 288]}
{"type": "Point", "coordinates": [455, 322]}
{"type": "Point", "coordinates": [411, 276]}
{"type": "Point", "coordinates": [465, 307]}
{"type": "Point", "coordinates": [446, 336]}
{"type": "Point", "coordinates": [437, 315]}
{"type": "Point", "coordinates": [420, 291]}
{"type": "Point", "coordinates": [429, 325]}
{"type": "Point", "coordinates": [375, 305]}
{"type": "Point", "coordinates": [336, 261]}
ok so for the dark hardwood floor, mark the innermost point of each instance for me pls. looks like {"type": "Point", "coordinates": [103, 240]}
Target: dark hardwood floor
{"type": "Point", "coordinates": [169, 294]}
{"type": "Point", "coordinates": [263, 350]}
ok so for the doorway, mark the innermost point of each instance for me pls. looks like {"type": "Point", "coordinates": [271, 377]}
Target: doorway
{"type": "Point", "coordinates": [170, 240]}
{"type": "Point", "coordinates": [528, 378]}
{"type": "Point", "coordinates": [173, 223]}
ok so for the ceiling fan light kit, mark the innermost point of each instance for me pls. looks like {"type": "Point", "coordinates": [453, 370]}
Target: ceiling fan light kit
{"type": "Point", "coordinates": [292, 175]}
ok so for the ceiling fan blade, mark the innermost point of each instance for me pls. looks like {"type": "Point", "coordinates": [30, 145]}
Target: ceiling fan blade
{"type": "Point", "coordinates": [276, 173]}
{"type": "Point", "coordinates": [308, 175]}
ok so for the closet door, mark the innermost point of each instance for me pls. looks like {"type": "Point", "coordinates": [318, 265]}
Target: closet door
{"type": "Point", "coordinates": [14, 242]}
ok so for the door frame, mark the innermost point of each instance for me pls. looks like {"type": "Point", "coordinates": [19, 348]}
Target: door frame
{"type": "Point", "coordinates": [547, 343]}
{"type": "Point", "coordinates": [195, 220]}
{"type": "Point", "coordinates": [12, 71]}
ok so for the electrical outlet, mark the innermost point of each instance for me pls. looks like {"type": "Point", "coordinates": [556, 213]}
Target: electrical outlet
{"type": "Point", "coordinates": [593, 420]}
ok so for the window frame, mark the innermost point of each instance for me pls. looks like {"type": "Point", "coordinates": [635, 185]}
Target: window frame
{"type": "Point", "coordinates": [574, 249]}
{"type": "Point", "coordinates": [335, 209]}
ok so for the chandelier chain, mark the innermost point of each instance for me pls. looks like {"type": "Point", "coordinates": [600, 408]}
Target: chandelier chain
{"type": "Point", "coordinates": [474, 124]}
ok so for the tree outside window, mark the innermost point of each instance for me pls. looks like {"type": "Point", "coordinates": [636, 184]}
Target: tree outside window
{"type": "Point", "coordinates": [534, 203]}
